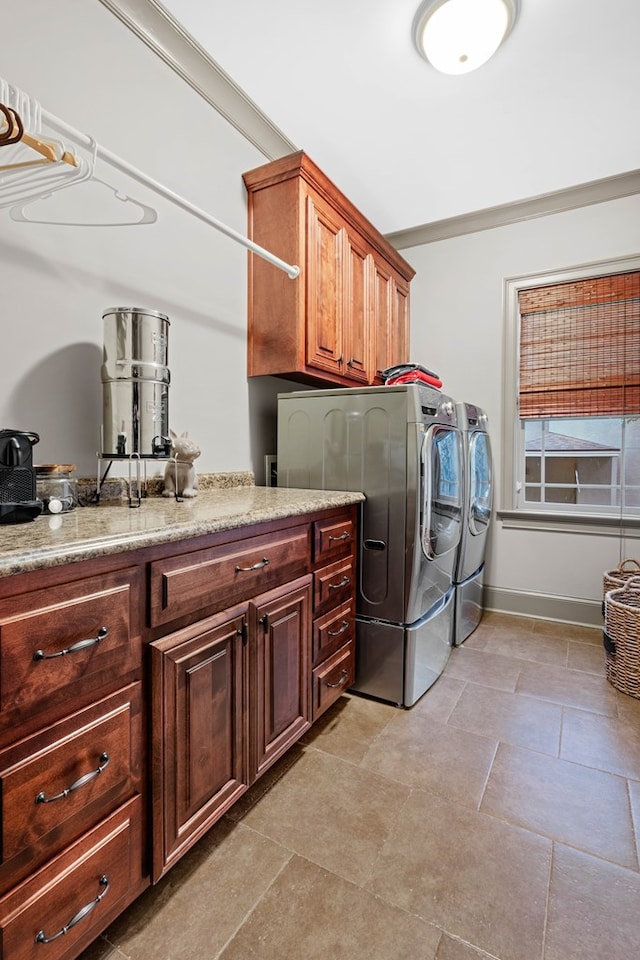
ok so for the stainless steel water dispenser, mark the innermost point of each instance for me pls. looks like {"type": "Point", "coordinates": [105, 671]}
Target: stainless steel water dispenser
{"type": "Point", "coordinates": [135, 384]}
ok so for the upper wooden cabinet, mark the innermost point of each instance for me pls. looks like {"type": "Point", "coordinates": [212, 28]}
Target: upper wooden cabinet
{"type": "Point", "coordinates": [346, 317]}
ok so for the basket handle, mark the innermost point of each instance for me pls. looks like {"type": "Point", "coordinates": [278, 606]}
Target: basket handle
{"type": "Point", "coordinates": [621, 566]}
{"type": "Point", "coordinates": [632, 585]}
{"type": "Point", "coordinates": [608, 643]}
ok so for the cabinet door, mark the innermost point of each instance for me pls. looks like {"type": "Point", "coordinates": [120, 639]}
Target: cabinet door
{"type": "Point", "coordinates": [390, 318]}
{"type": "Point", "coordinates": [357, 312]}
{"type": "Point", "coordinates": [199, 757]}
{"type": "Point", "coordinates": [280, 672]}
{"type": "Point", "coordinates": [399, 351]}
{"type": "Point", "coordinates": [325, 257]}
{"type": "Point", "coordinates": [382, 318]}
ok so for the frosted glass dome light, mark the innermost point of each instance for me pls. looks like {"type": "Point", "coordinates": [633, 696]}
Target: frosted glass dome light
{"type": "Point", "coordinates": [457, 36]}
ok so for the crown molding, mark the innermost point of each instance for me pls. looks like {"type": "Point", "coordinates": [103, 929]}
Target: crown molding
{"type": "Point", "coordinates": [595, 191]}
{"type": "Point", "coordinates": [162, 33]}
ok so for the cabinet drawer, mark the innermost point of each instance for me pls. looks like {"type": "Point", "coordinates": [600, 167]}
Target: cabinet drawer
{"type": "Point", "coordinates": [82, 891]}
{"type": "Point", "coordinates": [332, 631]}
{"type": "Point", "coordinates": [220, 576]}
{"type": "Point", "coordinates": [332, 678]}
{"type": "Point", "coordinates": [332, 585]}
{"type": "Point", "coordinates": [62, 781]}
{"type": "Point", "coordinates": [332, 538]}
{"type": "Point", "coordinates": [57, 640]}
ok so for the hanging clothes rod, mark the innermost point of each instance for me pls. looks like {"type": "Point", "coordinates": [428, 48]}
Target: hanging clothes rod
{"type": "Point", "coordinates": [83, 140]}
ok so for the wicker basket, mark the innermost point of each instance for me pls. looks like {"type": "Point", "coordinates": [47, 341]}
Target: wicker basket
{"type": "Point", "coordinates": [622, 637]}
{"type": "Point", "coordinates": [617, 578]}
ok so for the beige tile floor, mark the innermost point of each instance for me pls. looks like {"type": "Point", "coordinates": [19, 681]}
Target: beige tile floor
{"type": "Point", "coordinates": [498, 818]}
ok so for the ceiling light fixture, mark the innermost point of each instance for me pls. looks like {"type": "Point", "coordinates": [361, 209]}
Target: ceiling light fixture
{"type": "Point", "coordinates": [457, 36]}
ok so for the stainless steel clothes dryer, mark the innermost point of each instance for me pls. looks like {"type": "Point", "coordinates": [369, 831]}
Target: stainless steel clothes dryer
{"type": "Point", "coordinates": [478, 495]}
{"type": "Point", "coordinates": [400, 445]}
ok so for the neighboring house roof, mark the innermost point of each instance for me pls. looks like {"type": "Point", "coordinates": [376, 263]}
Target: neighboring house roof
{"type": "Point", "coordinates": [559, 443]}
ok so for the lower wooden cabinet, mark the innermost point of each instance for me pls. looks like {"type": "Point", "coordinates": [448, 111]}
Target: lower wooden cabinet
{"type": "Point", "coordinates": [139, 701]}
{"type": "Point", "coordinates": [230, 694]}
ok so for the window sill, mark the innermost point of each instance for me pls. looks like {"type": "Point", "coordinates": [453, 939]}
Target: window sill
{"type": "Point", "coordinates": [605, 525]}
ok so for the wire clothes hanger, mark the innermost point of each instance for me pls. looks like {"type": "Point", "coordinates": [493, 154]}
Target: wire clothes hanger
{"type": "Point", "coordinates": [21, 186]}
{"type": "Point", "coordinates": [146, 214]}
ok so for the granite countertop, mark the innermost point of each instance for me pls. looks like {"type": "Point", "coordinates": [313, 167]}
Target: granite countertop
{"type": "Point", "coordinates": [94, 531]}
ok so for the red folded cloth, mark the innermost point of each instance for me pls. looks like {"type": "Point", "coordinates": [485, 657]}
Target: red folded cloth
{"type": "Point", "coordinates": [416, 376]}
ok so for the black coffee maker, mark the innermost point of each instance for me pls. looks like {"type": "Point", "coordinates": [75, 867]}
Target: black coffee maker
{"type": "Point", "coordinates": [18, 501]}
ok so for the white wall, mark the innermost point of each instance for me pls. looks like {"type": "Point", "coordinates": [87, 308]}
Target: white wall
{"type": "Point", "coordinates": [457, 330]}
{"type": "Point", "coordinates": [87, 68]}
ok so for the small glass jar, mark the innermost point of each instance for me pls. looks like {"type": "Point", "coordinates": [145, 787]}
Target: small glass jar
{"type": "Point", "coordinates": [56, 487]}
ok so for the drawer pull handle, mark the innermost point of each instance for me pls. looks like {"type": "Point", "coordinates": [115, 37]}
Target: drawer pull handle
{"type": "Point", "coordinates": [338, 633]}
{"type": "Point", "coordinates": [338, 586]}
{"type": "Point", "coordinates": [80, 782]}
{"type": "Point", "coordinates": [254, 566]}
{"type": "Point", "coordinates": [102, 633]}
{"type": "Point", "coordinates": [41, 937]}
{"type": "Point", "coordinates": [341, 682]}
{"type": "Point", "coordinates": [343, 536]}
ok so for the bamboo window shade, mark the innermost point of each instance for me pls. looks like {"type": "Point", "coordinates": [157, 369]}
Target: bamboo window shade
{"type": "Point", "coordinates": [580, 348]}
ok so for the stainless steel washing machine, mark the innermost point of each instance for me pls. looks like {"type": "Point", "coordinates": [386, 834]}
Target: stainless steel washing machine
{"type": "Point", "coordinates": [478, 496]}
{"type": "Point", "coordinates": [400, 445]}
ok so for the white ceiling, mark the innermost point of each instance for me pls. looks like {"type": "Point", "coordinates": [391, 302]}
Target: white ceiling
{"type": "Point", "coordinates": [555, 107]}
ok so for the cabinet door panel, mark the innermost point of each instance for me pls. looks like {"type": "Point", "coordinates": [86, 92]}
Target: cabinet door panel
{"type": "Point", "coordinates": [325, 253]}
{"type": "Point", "coordinates": [357, 312]}
{"type": "Point", "coordinates": [382, 318]}
{"type": "Point", "coordinates": [390, 319]}
{"type": "Point", "coordinates": [281, 672]}
{"type": "Point", "coordinates": [400, 322]}
{"type": "Point", "coordinates": [199, 732]}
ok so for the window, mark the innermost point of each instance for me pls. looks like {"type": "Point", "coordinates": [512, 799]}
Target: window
{"type": "Point", "coordinates": [572, 427]}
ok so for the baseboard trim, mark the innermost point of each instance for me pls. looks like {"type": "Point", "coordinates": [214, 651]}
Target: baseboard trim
{"type": "Point", "coordinates": [543, 606]}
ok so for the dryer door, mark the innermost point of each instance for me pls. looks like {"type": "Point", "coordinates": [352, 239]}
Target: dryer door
{"type": "Point", "coordinates": [481, 483]}
{"type": "Point", "coordinates": [442, 491]}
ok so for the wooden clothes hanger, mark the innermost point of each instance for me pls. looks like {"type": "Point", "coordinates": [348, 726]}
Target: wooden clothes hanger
{"type": "Point", "coordinates": [14, 132]}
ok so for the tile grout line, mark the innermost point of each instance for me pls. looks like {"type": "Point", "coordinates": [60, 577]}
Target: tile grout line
{"type": "Point", "coordinates": [547, 905]}
{"type": "Point", "coordinates": [247, 915]}
{"type": "Point", "coordinates": [635, 826]}
{"type": "Point", "coordinates": [383, 845]}
{"type": "Point", "coordinates": [486, 779]}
